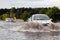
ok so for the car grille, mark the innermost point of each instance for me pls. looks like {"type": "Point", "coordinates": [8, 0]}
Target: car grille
{"type": "Point", "coordinates": [45, 24]}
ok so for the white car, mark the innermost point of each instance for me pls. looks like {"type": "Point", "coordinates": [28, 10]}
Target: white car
{"type": "Point", "coordinates": [9, 20]}
{"type": "Point", "coordinates": [40, 18]}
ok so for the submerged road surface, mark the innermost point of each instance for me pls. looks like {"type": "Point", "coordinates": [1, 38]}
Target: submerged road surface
{"type": "Point", "coordinates": [4, 24]}
{"type": "Point", "coordinates": [6, 34]}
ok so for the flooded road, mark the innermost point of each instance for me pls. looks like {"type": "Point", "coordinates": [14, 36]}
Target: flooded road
{"type": "Point", "coordinates": [12, 35]}
{"type": "Point", "coordinates": [7, 25]}
{"type": "Point", "coordinates": [6, 34]}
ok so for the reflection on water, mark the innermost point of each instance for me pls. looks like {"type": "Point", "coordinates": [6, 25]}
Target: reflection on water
{"type": "Point", "coordinates": [56, 33]}
{"type": "Point", "coordinates": [13, 35]}
{"type": "Point", "coordinates": [42, 36]}
{"type": "Point", "coordinates": [7, 25]}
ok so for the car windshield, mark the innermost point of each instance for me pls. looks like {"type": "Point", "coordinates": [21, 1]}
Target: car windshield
{"type": "Point", "coordinates": [41, 17]}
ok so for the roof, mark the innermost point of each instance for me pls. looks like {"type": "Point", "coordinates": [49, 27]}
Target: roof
{"type": "Point", "coordinates": [39, 14]}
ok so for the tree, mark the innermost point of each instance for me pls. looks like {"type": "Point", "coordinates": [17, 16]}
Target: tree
{"type": "Point", "coordinates": [53, 13]}
{"type": "Point", "coordinates": [4, 16]}
{"type": "Point", "coordinates": [12, 12]}
{"type": "Point", "coordinates": [12, 15]}
{"type": "Point", "coordinates": [25, 15]}
{"type": "Point", "coordinates": [42, 11]}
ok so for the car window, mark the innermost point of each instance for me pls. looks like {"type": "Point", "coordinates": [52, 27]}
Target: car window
{"type": "Point", "coordinates": [41, 17]}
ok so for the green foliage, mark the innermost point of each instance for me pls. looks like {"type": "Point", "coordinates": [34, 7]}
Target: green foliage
{"type": "Point", "coordinates": [49, 12]}
{"type": "Point", "coordinates": [25, 15]}
{"type": "Point", "coordinates": [53, 12]}
{"type": "Point", "coordinates": [12, 15]}
{"type": "Point", "coordinates": [4, 16]}
{"type": "Point", "coordinates": [12, 11]}
{"type": "Point", "coordinates": [42, 11]}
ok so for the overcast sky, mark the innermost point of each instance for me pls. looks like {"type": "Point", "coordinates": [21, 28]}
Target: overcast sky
{"type": "Point", "coordinates": [29, 3]}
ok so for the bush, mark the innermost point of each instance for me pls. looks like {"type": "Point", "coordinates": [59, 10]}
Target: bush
{"type": "Point", "coordinates": [12, 15]}
{"type": "Point", "coordinates": [25, 15]}
{"type": "Point", "coordinates": [4, 16]}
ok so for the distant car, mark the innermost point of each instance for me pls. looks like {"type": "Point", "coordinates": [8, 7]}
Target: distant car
{"type": "Point", "coordinates": [9, 20]}
{"type": "Point", "coordinates": [40, 18]}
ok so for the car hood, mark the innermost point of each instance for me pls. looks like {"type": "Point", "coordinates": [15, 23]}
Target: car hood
{"type": "Point", "coordinates": [42, 21]}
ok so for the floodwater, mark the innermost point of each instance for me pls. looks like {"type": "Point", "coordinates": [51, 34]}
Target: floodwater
{"type": "Point", "coordinates": [12, 35]}
{"type": "Point", "coordinates": [7, 25]}
{"type": "Point", "coordinates": [6, 34]}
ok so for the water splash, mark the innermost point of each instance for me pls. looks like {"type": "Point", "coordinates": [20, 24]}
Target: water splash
{"type": "Point", "coordinates": [37, 27]}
